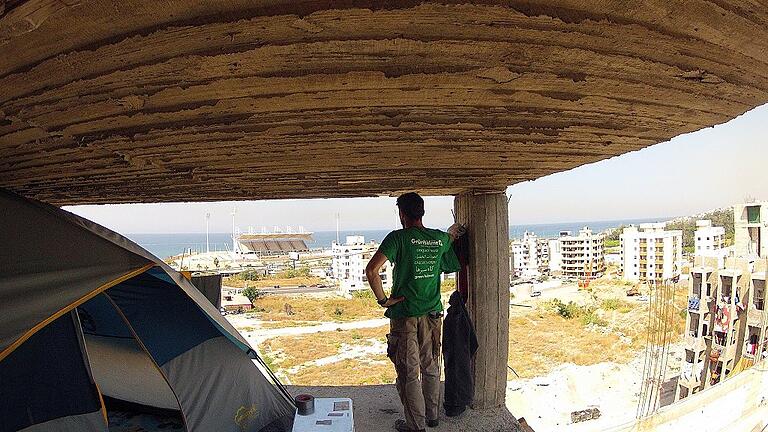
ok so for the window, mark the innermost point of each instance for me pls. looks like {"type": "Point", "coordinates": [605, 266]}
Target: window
{"type": "Point", "coordinates": [753, 214]}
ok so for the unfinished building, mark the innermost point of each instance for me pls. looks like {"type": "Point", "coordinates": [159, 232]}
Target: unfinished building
{"type": "Point", "coordinates": [725, 322]}
{"type": "Point", "coordinates": [141, 101]}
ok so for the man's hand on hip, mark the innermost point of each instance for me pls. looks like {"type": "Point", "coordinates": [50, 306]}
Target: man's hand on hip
{"type": "Point", "coordinates": [393, 301]}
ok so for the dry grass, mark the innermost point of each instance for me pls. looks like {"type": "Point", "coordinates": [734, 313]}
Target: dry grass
{"type": "Point", "coordinates": [541, 341]}
{"type": "Point", "coordinates": [305, 308]}
{"type": "Point", "coordinates": [290, 351]}
{"type": "Point", "coordinates": [272, 281]}
{"type": "Point", "coordinates": [348, 373]}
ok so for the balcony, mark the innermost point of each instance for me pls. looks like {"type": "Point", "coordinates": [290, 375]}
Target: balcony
{"type": "Point", "coordinates": [754, 316]}
{"type": "Point", "coordinates": [691, 381]}
{"type": "Point", "coordinates": [694, 343]}
{"type": "Point", "coordinates": [690, 375]}
{"type": "Point", "coordinates": [727, 352]}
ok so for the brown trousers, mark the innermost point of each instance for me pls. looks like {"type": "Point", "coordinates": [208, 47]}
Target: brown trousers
{"type": "Point", "coordinates": [413, 345]}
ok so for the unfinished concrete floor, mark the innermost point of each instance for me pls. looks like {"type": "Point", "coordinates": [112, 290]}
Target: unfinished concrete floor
{"type": "Point", "coordinates": [377, 407]}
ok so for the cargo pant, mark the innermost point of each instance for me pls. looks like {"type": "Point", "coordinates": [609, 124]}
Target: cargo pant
{"type": "Point", "coordinates": [413, 345]}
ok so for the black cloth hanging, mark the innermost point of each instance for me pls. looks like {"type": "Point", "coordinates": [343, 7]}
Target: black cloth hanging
{"type": "Point", "coordinates": [459, 346]}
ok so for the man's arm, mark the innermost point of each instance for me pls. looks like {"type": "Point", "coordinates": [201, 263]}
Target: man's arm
{"type": "Point", "coordinates": [372, 272]}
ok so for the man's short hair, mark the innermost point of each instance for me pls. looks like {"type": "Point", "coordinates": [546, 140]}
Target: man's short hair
{"type": "Point", "coordinates": [412, 205]}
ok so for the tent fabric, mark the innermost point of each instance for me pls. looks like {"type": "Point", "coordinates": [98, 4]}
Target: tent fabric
{"type": "Point", "coordinates": [203, 362]}
{"type": "Point", "coordinates": [154, 309]}
{"type": "Point", "coordinates": [46, 381]}
{"type": "Point", "coordinates": [77, 423]}
{"type": "Point", "coordinates": [110, 342]}
{"type": "Point", "coordinates": [49, 264]}
{"type": "Point", "coordinates": [213, 380]}
{"type": "Point", "coordinates": [87, 259]}
{"type": "Point", "coordinates": [121, 382]}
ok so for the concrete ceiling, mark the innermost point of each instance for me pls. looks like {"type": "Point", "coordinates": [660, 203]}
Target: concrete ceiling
{"type": "Point", "coordinates": [146, 101]}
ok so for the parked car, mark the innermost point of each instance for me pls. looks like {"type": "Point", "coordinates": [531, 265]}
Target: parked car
{"type": "Point", "coordinates": [223, 311]}
{"type": "Point", "coordinates": [535, 293]}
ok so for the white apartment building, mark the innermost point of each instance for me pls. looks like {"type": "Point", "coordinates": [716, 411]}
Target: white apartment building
{"type": "Point", "coordinates": [582, 255]}
{"type": "Point", "coordinates": [750, 222]}
{"type": "Point", "coordinates": [529, 256]}
{"type": "Point", "coordinates": [555, 257]}
{"type": "Point", "coordinates": [651, 252]}
{"type": "Point", "coordinates": [709, 241]}
{"type": "Point", "coordinates": [349, 261]}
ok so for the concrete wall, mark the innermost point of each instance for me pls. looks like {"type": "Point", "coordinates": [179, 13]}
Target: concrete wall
{"type": "Point", "coordinates": [739, 403]}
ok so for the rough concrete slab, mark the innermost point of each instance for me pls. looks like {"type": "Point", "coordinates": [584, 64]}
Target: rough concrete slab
{"type": "Point", "coordinates": [105, 101]}
{"type": "Point", "coordinates": [378, 407]}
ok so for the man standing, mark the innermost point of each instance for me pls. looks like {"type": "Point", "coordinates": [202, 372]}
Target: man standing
{"type": "Point", "coordinates": [414, 310]}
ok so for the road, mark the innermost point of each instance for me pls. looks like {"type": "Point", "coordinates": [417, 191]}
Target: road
{"type": "Point", "coordinates": [293, 289]}
{"type": "Point", "coordinates": [297, 290]}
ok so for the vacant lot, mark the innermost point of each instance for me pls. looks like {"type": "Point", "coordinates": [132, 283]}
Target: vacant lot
{"type": "Point", "coordinates": [605, 327]}
{"type": "Point", "coordinates": [308, 310]}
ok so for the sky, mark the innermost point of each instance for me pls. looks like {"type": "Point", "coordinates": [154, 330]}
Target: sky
{"type": "Point", "coordinates": [711, 168]}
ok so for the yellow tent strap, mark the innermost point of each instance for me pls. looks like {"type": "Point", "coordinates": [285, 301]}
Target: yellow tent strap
{"type": "Point", "coordinates": [12, 347]}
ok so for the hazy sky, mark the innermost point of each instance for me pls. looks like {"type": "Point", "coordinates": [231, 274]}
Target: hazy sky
{"type": "Point", "coordinates": [711, 168]}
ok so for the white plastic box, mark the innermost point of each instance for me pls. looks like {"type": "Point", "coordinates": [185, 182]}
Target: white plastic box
{"type": "Point", "coordinates": [331, 415]}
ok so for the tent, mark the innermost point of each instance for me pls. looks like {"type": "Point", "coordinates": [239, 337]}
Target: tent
{"type": "Point", "coordinates": [87, 316]}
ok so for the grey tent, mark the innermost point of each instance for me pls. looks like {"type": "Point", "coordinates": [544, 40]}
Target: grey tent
{"type": "Point", "coordinates": [87, 314]}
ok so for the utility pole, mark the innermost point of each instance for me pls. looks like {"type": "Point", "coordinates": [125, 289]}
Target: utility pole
{"type": "Point", "coordinates": [207, 222]}
{"type": "Point", "coordinates": [234, 235]}
{"type": "Point", "coordinates": [337, 228]}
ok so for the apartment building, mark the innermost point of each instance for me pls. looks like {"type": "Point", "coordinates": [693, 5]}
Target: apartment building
{"type": "Point", "coordinates": [555, 257]}
{"type": "Point", "coordinates": [650, 252]}
{"type": "Point", "coordinates": [349, 261]}
{"type": "Point", "coordinates": [725, 323]}
{"type": "Point", "coordinates": [709, 241]}
{"type": "Point", "coordinates": [582, 255]}
{"type": "Point", "coordinates": [529, 256]}
{"type": "Point", "coordinates": [750, 222]}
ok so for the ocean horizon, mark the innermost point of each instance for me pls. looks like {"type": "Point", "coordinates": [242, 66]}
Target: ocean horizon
{"type": "Point", "coordinates": [165, 245]}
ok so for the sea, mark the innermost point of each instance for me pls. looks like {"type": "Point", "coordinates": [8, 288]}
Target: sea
{"type": "Point", "coordinates": [165, 245]}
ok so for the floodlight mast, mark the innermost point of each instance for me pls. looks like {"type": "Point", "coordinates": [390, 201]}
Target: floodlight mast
{"type": "Point", "coordinates": [207, 222]}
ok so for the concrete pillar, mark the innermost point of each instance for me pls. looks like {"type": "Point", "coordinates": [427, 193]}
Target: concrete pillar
{"type": "Point", "coordinates": [486, 217]}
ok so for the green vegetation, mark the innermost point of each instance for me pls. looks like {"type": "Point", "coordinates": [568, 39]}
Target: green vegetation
{"type": "Point", "coordinates": [252, 293]}
{"type": "Point", "coordinates": [586, 314]}
{"type": "Point", "coordinates": [617, 305]}
{"type": "Point", "coordinates": [255, 275]}
{"type": "Point", "coordinates": [363, 294]}
{"type": "Point", "coordinates": [723, 218]}
{"type": "Point", "coordinates": [613, 236]}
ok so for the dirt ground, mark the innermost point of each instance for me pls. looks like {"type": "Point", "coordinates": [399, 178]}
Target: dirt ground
{"type": "Point", "coordinates": [570, 348]}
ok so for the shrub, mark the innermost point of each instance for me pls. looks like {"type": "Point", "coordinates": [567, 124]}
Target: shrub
{"type": "Point", "coordinates": [252, 293]}
{"type": "Point", "coordinates": [567, 311]}
{"type": "Point", "coordinates": [250, 275]}
{"type": "Point", "coordinates": [589, 316]}
{"type": "Point", "coordinates": [293, 273]}
{"type": "Point", "coordinates": [570, 310]}
{"type": "Point", "coordinates": [363, 294]}
{"type": "Point", "coordinates": [338, 311]}
{"type": "Point", "coordinates": [616, 304]}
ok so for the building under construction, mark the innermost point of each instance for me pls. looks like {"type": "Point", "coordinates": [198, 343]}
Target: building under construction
{"type": "Point", "coordinates": [138, 101]}
{"type": "Point", "coordinates": [726, 322]}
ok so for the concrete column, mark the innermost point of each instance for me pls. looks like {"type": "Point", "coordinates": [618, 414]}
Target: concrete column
{"type": "Point", "coordinates": [487, 219]}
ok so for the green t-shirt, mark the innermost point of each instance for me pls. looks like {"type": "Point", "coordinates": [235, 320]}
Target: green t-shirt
{"type": "Point", "coordinates": [417, 255]}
